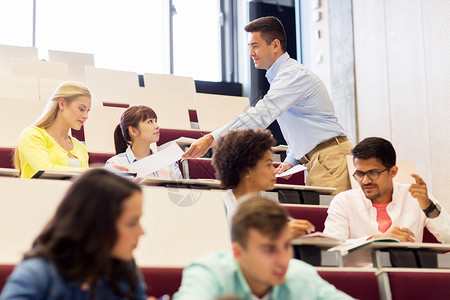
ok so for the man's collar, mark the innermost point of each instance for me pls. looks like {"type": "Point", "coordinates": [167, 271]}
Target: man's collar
{"type": "Point", "coordinates": [272, 71]}
{"type": "Point", "coordinates": [368, 202]}
{"type": "Point", "coordinates": [246, 288]}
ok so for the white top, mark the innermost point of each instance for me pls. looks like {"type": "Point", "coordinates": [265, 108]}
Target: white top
{"type": "Point", "coordinates": [351, 215]}
{"type": "Point", "coordinates": [171, 171]}
{"type": "Point", "coordinates": [74, 162]}
{"type": "Point", "coordinates": [231, 203]}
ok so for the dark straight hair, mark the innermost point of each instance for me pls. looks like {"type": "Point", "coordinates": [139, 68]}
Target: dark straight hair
{"type": "Point", "coordinates": [270, 28]}
{"type": "Point", "coordinates": [131, 117]}
{"type": "Point", "coordinates": [80, 237]}
{"type": "Point", "coordinates": [376, 147]}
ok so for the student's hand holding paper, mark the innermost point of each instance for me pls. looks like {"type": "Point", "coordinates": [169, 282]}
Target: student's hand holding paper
{"type": "Point", "coordinates": [199, 147]}
{"type": "Point", "coordinates": [288, 173]}
{"type": "Point", "coordinates": [402, 234]}
{"type": "Point", "coordinates": [300, 227]}
{"type": "Point", "coordinates": [283, 167]}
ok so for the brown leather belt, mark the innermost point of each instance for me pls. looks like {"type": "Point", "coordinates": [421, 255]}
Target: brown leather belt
{"type": "Point", "coordinates": [333, 141]}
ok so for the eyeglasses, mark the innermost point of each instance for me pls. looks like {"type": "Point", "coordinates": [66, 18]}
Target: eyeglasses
{"type": "Point", "coordinates": [371, 174]}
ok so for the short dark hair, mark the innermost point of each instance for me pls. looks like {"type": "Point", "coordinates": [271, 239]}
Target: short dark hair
{"type": "Point", "coordinates": [131, 117]}
{"type": "Point", "coordinates": [259, 213]}
{"type": "Point", "coordinates": [376, 147]}
{"type": "Point", "coordinates": [237, 151]}
{"type": "Point", "coordinates": [270, 28]}
{"type": "Point", "coordinates": [81, 235]}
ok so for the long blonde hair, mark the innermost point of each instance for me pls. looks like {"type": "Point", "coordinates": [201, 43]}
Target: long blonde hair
{"type": "Point", "coordinates": [68, 91]}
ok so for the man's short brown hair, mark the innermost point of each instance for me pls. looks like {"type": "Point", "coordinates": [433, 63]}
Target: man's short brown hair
{"type": "Point", "coordinates": [256, 212]}
{"type": "Point", "coordinates": [270, 28]}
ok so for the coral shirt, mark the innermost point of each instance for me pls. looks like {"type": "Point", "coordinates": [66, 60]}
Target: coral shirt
{"type": "Point", "coordinates": [383, 219]}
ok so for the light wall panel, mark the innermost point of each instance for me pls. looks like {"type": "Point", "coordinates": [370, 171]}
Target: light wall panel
{"type": "Point", "coordinates": [371, 74]}
{"type": "Point", "coordinates": [407, 83]}
{"type": "Point", "coordinates": [403, 82]}
{"type": "Point", "coordinates": [436, 29]}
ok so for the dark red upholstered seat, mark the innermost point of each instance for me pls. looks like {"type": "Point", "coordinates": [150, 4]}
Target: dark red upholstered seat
{"type": "Point", "coordinates": [99, 158]}
{"type": "Point", "coordinates": [5, 270]}
{"type": "Point", "coordinates": [6, 157]}
{"type": "Point", "coordinates": [168, 135]}
{"type": "Point", "coordinates": [161, 281]}
{"type": "Point", "coordinates": [297, 178]}
{"type": "Point", "coordinates": [413, 285]}
{"type": "Point", "coordinates": [359, 285]}
{"type": "Point", "coordinates": [200, 169]}
{"type": "Point", "coordinates": [316, 215]}
{"type": "Point", "coordinates": [193, 115]}
{"type": "Point", "coordinates": [428, 237]}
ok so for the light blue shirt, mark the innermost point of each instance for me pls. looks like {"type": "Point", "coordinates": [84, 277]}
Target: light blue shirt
{"type": "Point", "coordinates": [299, 101]}
{"type": "Point", "coordinates": [218, 274]}
{"type": "Point", "coordinates": [171, 171]}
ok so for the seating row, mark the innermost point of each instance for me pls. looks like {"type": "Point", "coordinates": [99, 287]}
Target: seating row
{"type": "Point", "coordinates": [361, 284]}
{"type": "Point", "coordinates": [358, 283]}
{"type": "Point", "coordinates": [12, 61]}
{"type": "Point", "coordinates": [98, 129]}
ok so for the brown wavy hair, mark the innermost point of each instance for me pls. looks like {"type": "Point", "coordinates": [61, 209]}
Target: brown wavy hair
{"type": "Point", "coordinates": [237, 151]}
{"type": "Point", "coordinates": [81, 235]}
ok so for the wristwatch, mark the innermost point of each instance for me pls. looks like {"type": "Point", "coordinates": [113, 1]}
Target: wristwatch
{"type": "Point", "coordinates": [433, 210]}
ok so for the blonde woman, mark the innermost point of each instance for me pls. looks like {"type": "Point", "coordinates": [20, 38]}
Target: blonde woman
{"type": "Point", "coordinates": [46, 145]}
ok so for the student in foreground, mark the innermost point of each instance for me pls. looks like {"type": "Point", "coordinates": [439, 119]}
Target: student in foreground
{"type": "Point", "coordinates": [260, 265]}
{"type": "Point", "coordinates": [137, 130]}
{"type": "Point", "coordinates": [383, 208]}
{"type": "Point", "coordinates": [46, 145]}
{"type": "Point", "coordinates": [86, 250]}
{"type": "Point", "coordinates": [243, 160]}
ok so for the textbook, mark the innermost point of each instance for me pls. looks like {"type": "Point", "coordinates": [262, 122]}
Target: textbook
{"type": "Point", "coordinates": [318, 239]}
{"type": "Point", "coordinates": [319, 235]}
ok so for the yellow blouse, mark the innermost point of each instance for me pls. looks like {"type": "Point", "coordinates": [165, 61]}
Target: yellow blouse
{"type": "Point", "coordinates": [39, 151]}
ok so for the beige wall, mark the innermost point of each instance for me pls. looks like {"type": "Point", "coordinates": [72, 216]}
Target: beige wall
{"type": "Point", "coordinates": [403, 82]}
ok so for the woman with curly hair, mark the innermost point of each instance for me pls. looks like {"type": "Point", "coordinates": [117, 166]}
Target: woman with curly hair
{"type": "Point", "coordinates": [243, 160]}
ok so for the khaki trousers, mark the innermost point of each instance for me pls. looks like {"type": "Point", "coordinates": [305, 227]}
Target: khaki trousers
{"type": "Point", "coordinates": [327, 164]}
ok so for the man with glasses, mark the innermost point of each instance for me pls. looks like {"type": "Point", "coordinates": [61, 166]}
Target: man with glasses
{"type": "Point", "coordinates": [383, 208]}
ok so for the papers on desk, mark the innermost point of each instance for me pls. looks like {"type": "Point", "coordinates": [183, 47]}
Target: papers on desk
{"type": "Point", "coordinates": [318, 235]}
{"type": "Point", "coordinates": [354, 244]}
{"type": "Point", "coordinates": [170, 154]}
{"type": "Point", "coordinates": [318, 239]}
{"type": "Point", "coordinates": [293, 170]}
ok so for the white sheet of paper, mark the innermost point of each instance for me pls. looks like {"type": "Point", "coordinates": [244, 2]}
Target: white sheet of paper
{"type": "Point", "coordinates": [159, 160]}
{"type": "Point", "coordinates": [293, 170]}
